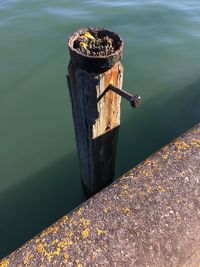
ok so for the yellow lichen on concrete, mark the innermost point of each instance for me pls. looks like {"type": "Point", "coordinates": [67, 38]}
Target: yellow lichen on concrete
{"type": "Point", "coordinates": [63, 244]}
{"type": "Point", "coordinates": [126, 210]}
{"type": "Point", "coordinates": [72, 221]}
{"type": "Point", "coordinates": [147, 173]}
{"type": "Point", "coordinates": [5, 263]}
{"type": "Point", "coordinates": [37, 240]}
{"type": "Point", "coordinates": [85, 233]}
{"type": "Point", "coordinates": [154, 163]}
{"type": "Point", "coordinates": [63, 220]}
{"type": "Point", "coordinates": [56, 252]}
{"type": "Point", "coordinates": [48, 255]}
{"type": "Point", "coordinates": [50, 230]}
{"type": "Point", "coordinates": [195, 142]}
{"type": "Point", "coordinates": [165, 156]}
{"type": "Point", "coordinates": [67, 241]}
{"type": "Point", "coordinates": [66, 256]}
{"type": "Point", "coordinates": [181, 145]}
{"type": "Point", "coordinates": [85, 222]}
{"type": "Point", "coordinates": [100, 232]}
{"type": "Point", "coordinates": [70, 234]}
{"type": "Point", "coordinates": [160, 188]}
{"type": "Point", "coordinates": [27, 258]}
{"type": "Point", "coordinates": [124, 192]}
{"type": "Point", "coordinates": [148, 188]}
{"type": "Point", "coordinates": [78, 264]}
{"type": "Point", "coordinates": [40, 248]}
{"type": "Point", "coordinates": [54, 242]}
{"type": "Point", "coordinates": [80, 210]}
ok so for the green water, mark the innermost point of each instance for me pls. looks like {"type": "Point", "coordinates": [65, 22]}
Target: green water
{"type": "Point", "coordinates": [39, 173]}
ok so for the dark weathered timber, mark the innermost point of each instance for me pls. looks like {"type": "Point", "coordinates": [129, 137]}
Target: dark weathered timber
{"type": "Point", "coordinates": [96, 114]}
{"type": "Point", "coordinates": [96, 110]}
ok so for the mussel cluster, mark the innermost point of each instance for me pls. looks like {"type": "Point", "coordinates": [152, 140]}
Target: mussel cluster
{"type": "Point", "coordinates": [93, 45]}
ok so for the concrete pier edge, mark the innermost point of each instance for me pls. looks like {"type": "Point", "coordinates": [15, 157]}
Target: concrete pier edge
{"type": "Point", "coordinates": [148, 217]}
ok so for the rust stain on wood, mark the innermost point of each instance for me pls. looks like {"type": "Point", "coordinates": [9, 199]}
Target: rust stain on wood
{"type": "Point", "coordinates": [109, 106]}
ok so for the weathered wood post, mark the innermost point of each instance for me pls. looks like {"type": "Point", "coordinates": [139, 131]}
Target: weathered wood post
{"type": "Point", "coordinates": [96, 109]}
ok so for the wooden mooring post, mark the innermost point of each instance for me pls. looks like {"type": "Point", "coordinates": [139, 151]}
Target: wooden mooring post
{"type": "Point", "coordinates": [93, 82]}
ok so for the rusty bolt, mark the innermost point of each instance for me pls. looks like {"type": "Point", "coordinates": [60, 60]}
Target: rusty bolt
{"type": "Point", "coordinates": [136, 101]}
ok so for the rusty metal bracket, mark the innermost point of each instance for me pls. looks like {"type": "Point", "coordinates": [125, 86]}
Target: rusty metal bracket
{"type": "Point", "coordinates": [135, 100]}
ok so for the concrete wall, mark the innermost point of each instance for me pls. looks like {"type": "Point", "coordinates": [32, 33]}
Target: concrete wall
{"type": "Point", "coordinates": [148, 217]}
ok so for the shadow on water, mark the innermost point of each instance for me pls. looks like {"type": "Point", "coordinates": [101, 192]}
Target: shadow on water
{"type": "Point", "coordinates": [161, 119]}
{"type": "Point", "coordinates": [45, 196]}
{"type": "Point", "coordinates": [39, 200]}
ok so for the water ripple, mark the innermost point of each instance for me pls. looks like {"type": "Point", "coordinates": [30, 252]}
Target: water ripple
{"type": "Point", "coordinates": [67, 12]}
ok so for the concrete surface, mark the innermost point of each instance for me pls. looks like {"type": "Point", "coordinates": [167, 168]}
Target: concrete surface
{"type": "Point", "coordinates": [148, 217]}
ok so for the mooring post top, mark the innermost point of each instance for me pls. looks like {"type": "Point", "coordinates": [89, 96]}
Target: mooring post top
{"type": "Point", "coordinates": [86, 46]}
{"type": "Point", "coordinates": [96, 50]}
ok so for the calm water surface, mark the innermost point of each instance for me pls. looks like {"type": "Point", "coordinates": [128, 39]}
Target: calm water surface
{"type": "Point", "coordinates": [39, 175]}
